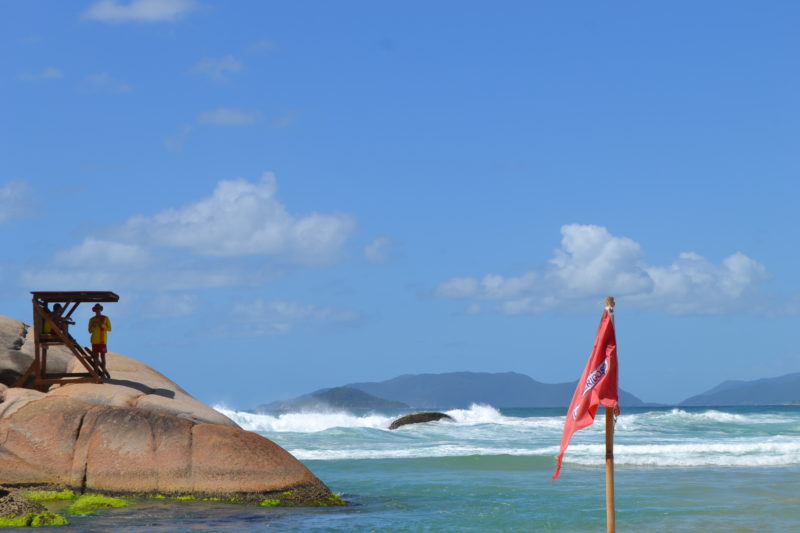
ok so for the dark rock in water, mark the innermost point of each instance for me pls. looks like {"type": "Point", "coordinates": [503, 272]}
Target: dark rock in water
{"type": "Point", "coordinates": [418, 418]}
{"type": "Point", "coordinates": [12, 503]}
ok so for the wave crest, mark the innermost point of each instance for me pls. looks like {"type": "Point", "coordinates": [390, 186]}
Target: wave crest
{"type": "Point", "coordinates": [304, 422]}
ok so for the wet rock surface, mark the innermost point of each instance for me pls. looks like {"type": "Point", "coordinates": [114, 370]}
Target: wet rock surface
{"type": "Point", "coordinates": [419, 418]}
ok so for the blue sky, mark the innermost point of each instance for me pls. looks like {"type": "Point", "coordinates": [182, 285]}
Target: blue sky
{"type": "Point", "coordinates": [295, 195]}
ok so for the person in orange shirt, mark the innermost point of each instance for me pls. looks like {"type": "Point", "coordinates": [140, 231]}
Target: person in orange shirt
{"type": "Point", "coordinates": [99, 326]}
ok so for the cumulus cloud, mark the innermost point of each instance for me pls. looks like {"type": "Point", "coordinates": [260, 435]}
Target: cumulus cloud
{"type": "Point", "coordinates": [691, 284]}
{"type": "Point", "coordinates": [592, 263]}
{"type": "Point", "coordinates": [240, 235]}
{"type": "Point", "coordinates": [218, 68]}
{"type": "Point", "coordinates": [139, 10]}
{"type": "Point", "coordinates": [243, 218]}
{"type": "Point", "coordinates": [379, 250]}
{"type": "Point", "coordinates": [227, 116]}
{"type": "Point", "coordinates": [15, 200]}
{"type": "Point", "coordinates": [105, 253]}
{"type": "Point", "coordinates": [47, 73]}
{"type": "Point", "coordinates": [490, 287]}
{"type": "Point", "coordinates": [260, 318]}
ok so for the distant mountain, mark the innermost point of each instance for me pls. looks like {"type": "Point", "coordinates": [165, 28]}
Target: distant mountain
{"type": "Point", "coordinates": [769, 391]}
{"type": "Point", "coordinates": [337, 397]}
{"type": "Point", "coordinates": [461, 389]}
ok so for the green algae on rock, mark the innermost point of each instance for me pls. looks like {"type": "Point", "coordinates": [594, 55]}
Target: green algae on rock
{"type": "Point", "coordinates": [41, 519]}
{"type": "Point", "coordinates": [50, 495]}
{"type": "Point", "coordinates": [89, 503]}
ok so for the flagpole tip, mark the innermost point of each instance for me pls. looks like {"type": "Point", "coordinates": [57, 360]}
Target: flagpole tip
{"type": "Point", "coordinates": [610, 303]}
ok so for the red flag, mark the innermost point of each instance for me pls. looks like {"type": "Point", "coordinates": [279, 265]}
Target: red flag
{"type": "Point", "coordinates": [597, 386]}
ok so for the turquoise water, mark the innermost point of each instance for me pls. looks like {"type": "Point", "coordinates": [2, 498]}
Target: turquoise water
{"type": "Point", "coordinates": [693, 470]}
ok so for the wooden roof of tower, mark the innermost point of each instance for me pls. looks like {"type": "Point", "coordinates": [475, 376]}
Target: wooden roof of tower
{"type": "Point", "coordinates": [75, 296]}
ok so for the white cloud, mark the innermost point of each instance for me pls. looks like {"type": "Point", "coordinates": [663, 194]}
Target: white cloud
{"type": "Point", "coordinates": [691, 284]}
{"type": "Point", "coordinates": [491, 287]}
{"type": "Point", "coordinates": [592, 263]}
{"type": "Point", "coordinates": [379, 250]}
{"type": "Point", "coordinates": [47, 73]}
{"type": "Point", "coordinates": [220, 241]}
{"type": "Point", "coordinates": [243, 218]}
{"type": "Point", "coordinates": [105, 82]}
{"type": "Point", "coordinates": [227, 116]}
{"type": "Point", "coordinates": [139, 10]}
{"type": "Point", "coordinates": [15, 200]}
{"type": "Point", "coordinates": [218, 68]}
{"type": "Point", "coordinates": [260, 318]}
{"type": "Point", "coordinates": [103, 254]}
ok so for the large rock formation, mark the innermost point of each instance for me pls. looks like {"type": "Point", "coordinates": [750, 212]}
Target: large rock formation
{"type": "Point", "coordinates": [138, 432]}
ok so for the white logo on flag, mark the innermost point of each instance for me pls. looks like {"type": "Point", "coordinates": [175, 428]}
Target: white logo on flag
{"type": "Point", "coordinates": [592, 380]}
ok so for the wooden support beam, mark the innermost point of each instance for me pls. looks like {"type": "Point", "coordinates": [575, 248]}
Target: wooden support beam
{"type": "Point", "coordinates": [38, 367]}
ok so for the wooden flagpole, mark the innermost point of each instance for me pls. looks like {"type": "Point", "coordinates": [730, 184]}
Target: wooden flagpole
{"type": "Point", "coordinates": [611, 525]}
{"type": "Point", "coordinates": [610, 511]}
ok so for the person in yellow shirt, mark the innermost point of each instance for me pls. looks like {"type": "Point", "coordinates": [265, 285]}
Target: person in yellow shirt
{"type": "Point", "coordinates": [99, 326]}
{"type": "Point", "coordinates": [63, 324]}
{"type": "Point", "coordinates": [46, 328]}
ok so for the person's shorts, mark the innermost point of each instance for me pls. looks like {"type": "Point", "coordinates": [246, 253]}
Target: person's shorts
{"type": "Point", "coordinates": [99, 348]}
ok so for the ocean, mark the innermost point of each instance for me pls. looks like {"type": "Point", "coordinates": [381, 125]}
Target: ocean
{"type": "Point", "coordinates": [707, 470]}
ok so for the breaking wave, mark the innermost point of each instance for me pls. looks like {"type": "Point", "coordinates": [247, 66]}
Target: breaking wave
{"type": "Point", "coordinates": [656, 438]}
{"type": "Point", "coordinates": [315, 421]}
{"type": "Point", "coordinates": [303, 422]}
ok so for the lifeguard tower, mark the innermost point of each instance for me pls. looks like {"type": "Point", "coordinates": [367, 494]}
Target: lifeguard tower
{"type": "Point", "coordinates": [52, 328]}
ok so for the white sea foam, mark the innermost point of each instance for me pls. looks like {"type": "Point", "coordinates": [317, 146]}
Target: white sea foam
{"type": "Point", "coordinates": [445, 450]}
{"type": "Point", "coordinates": [314, 421]}
{"type": "Point", "coordinates": [777, 451]}
{"type": "Point", "coordinates": [680, 419]}
{"type": "Point", "coordinates": [479, 414]}
{"type": "Point", "coordinates": [657, 455]}
{"type": "Point", "coordinates": [304, 422]}
{"type": "Point", "coordinates": [681, 415]}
